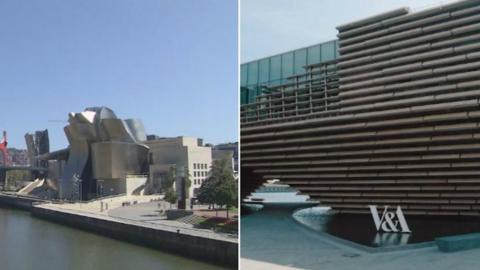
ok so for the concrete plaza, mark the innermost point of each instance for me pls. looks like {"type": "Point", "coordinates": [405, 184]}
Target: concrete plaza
{"type": "Point", "coordinates": [271, 241]}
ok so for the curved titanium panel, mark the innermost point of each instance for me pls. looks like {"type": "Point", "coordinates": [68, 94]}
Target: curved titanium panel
{"type": "Point", "coordinates": [137, 129]}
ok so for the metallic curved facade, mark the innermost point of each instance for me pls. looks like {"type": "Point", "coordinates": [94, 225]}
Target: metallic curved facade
{"type": "Point", "coordinates": [396, 122]}
{"type": "Point", "coordinates": [101, 147]}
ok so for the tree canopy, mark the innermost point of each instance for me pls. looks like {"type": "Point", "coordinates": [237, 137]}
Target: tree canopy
{"type": "Point", "coordinates": [171, 196]}
{"type": "Point", "coordinates": [168, 180]}
{"type": "Point", "coordinates": [220, 187]}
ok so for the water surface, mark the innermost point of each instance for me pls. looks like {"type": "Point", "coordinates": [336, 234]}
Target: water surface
{"type": "Point", "coordinates": [361, 228]}
{"type": "Point", "coordinates": [29, 243]}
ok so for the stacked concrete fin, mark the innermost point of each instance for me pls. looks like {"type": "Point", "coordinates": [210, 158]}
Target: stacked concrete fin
{"type": "Point", "coordinates": [405, 127]}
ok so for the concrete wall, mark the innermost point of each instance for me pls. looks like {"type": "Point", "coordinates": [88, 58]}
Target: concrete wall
{"type": "Point", "coordinates": [211, 250]}
{"type": "Point", "coordinates": [17, 202]}
{"type": "Point", "coordinates": [133, 182]}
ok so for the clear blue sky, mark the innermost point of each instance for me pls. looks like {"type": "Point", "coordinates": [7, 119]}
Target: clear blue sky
{"type": "Point", "coordinates": [270, 27]}
{"type": "Point", "coordinates": [171, 63]}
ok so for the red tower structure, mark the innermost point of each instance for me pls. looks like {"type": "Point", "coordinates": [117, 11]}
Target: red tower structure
{"type": "Point", "coordinates": [4, 150]}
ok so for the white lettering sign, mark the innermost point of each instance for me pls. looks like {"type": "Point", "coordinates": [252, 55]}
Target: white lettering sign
{"type": "Point", "coordinates": [389, 221]}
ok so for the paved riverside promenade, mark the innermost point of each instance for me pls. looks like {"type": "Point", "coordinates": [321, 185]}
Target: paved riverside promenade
{"type": "Point", "coordinates": [144, 213]}
{"type": "Point", "coordinates": [143, 224]}
{"type": "Point", "coordinates": [269, 241]}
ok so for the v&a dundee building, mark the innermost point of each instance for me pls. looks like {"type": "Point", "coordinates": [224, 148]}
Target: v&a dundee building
{"type": "Point", "coordinates": [387, 114]}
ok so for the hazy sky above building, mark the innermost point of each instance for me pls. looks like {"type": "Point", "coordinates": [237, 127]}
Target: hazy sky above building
{"type": "Point", "coordinates": [172, 64]}
{"type": "Point", "coordinates": [270, 27]}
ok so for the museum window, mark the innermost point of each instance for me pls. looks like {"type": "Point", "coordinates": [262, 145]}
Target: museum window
{"type": "Point", "coordinates": [275, 69]}
{"type": "Point", "coordinates": [252, 77]}
{"type": "Point", "coordinates": [300, 61]}
{"type": "Point", "coordinates": [243, 75]}
{"type": "Point", "coordinates": [313, 55]}
{"type": "Point", "coordinates": [328, 51]}
{"type": "Point", "coordinates": [287, 65]}
{"type": "Point", "coordinates": [264, 70]}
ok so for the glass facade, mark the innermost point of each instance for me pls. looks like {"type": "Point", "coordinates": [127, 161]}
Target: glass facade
{"type": "Point", "coordinates": [274, 70]}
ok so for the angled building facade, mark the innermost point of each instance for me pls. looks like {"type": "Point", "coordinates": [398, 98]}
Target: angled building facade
{"type": "Point", "coordinates": [394, 119]}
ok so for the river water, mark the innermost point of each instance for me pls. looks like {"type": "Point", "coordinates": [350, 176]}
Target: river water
{"type": "Point", "coordinates": [29, 243]}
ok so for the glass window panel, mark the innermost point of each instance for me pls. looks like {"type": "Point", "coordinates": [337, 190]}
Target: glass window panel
{"type": "Point", "coordinates": [313, 55]}
{"type": "Point", "coordinates": [243, 75]}
{"type": "Point", "coordinates": [287, 65]}
{"type": "Point", "coordinates": [252, 73]}
{"type": "Point", "coordinates": [252, 94]}
{"type": "Point", "coordinates": [264, 66]}
{"type": "Point", "coordinates": [328, 51]}
{"type": "Point", "coordinates": [258, 91]}
{"type": "Point", "coordinates": [244, 95]}
{"type": "Point", "coordinates": [275, 68]}
{"type": "Point", "coordinates": [337, 53]}
{"type": "Point", "coordinates": [300, 61]}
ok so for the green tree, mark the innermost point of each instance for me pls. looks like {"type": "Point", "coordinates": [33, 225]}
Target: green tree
{"type": "Point", "coordinates": [188, 182]}
{"type": "Point", "coordinates": [171, 196]}
{"type": "Point", "coordinates": [220, 187]}
{"type": "Point", "coordinates": [167, 186]}
{"type": "Point", "coordinates": [18, 175]}
{"type": "Point", "coordinates": [14, 176]}
{"type": "Point", "coordinates": [168, 180]}
{"type": "Point", "coordinates": [226, 194]}
{"type": "Point", "coordinates": [207, 190]}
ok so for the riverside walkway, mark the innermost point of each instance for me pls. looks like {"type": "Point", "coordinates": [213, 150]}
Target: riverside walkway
{"type": "Point", "coordinates": [142, 211]}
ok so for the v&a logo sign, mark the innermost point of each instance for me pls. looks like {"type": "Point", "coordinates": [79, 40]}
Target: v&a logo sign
{"type": "Point", "coordinates": [389, 221]}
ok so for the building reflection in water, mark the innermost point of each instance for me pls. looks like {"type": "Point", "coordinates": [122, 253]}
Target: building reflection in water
{"type": "Point", "coordinates": [390, 239]}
